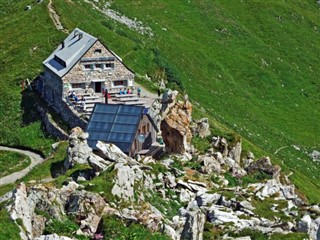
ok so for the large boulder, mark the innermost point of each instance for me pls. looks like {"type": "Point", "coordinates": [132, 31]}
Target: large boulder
{"type": "Point", "coordinates": [175, 129]}
{"type": "Point", "coordinates": [78, 150]}
{"type": "Point", "coordinates": [304, 224]}
{"type": "Point", "coordinates": [21, 209]}
{"type": "Point", "coordinates": [272, 187]}
{"type": "Point", "coordinates": [221, 144]}
{"type": "Point", "coordinates": [315, 155]}
{"type": "Point", "coordinates": [207, 199]}
{"type": "Point", "coordinates": [222, 215]}
{"type": "Point", "coordinates": [84, 205]}
{"type": "Point", "coordinates": [160, 108]}
{"type": "Point", "coordinates": [98, 163]}
{"type": "Point", "coordinates": [111, 152]}
{"type": "Point", "coordinates": [168, 100]}
{"type": "Point", "coordinates": [314, 233]}
{"type": "Point", "coordinates": [126, 181]}
{"type": "Point", "coordinates": [264, 164]}
{"type": "Point", "coordinates": [235, 152]}
{"type": "Point", "coordinates": [194, 224]}
{"type": "Point", "coordinates": [201, 128]}
{"type": "Point", "coordinates": [210, 164]}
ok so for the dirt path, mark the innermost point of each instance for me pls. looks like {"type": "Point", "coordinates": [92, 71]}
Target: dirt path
{"type": "Point", "coordinates": [35, 160]}
{"type": "Point", "coordinates": [55, 18]}
{"type": "Point", "coordinates": [145, 92]}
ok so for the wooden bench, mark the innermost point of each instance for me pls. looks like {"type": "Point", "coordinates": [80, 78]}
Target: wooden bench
{"type": "Point", "coordinates": [125, 95]}
{"type": "Point", "coordinates": [133, 99]}
{"type": "Point", "coordinates": [138, 103]}
{"type": "Point", "coordinates": [93, 101]}
{"type": "Point", "coordinates": [91, 97]}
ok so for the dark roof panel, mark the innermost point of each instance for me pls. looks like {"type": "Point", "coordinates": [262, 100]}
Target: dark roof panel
{"type": "Point", "coordinates": [115, 124]}
{"type": "Point", "coordinates": [68, 53]}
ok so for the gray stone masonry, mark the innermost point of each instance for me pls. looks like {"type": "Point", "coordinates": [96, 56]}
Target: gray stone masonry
{"type": "Point", "coordinates": [78, 74]}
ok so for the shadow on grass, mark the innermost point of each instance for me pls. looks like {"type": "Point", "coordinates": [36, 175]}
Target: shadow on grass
{"type": "Point", "coordinates": [29, 109]}
{"type": "Point", "coordinates": [57, 169]}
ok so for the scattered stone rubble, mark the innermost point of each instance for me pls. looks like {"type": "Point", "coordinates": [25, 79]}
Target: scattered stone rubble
{"type": "Point", "coordinates": [133, 24]}
{"type": "Point", "coordinates": [84, 205]}
{"type": "Point", "coordinates": [202, 200]}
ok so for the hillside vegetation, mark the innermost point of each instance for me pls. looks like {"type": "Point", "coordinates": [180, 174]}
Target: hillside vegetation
{"type": "Point", "coordinates": [253, 66]}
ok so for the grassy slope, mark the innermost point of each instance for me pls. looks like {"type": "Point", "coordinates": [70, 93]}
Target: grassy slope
{"type": "Point", "coordinates": [11, 162]}
{"type": "Point", "coordinates": [21, 31]}
{"type": "Point", "coordinates": [252, 66]}
{"type": "Point", "coordinates": [8, 229]}
{"type": "Point", "coordinates": [251, 69]}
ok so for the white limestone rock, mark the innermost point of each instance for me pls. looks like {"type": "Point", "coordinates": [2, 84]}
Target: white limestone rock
{"type": "Point", "coordinates": [246, 204]}
{"type": "Point", "coordinates": [52, 237]}
{"type": "Point", "coordinates": [78, 150]}
{"type": "Point", "coordinates": [111, 152]}
{"type": "Point", "coordinates": [193, 228]}
{"type": "Point", "coordinates": [56, 202]}
{"type": "Point", "coordinates": [98, 163]}
{"type": "Point", "coordinates": [124, 182]}
{"type": "Point", "coordinates": [235, 152]}
{"type": "Point", "coordinates": [201, 128]}
{"type": "Point", "coordinates": [314, 233]}
{"type": "Point", "coordinates": [221, 215]}
{"type": "Point", "coordinates": [170, 180]}
{"type": "Point", "coordinates": [229, 162]}
{"type": "Point", "coordinates": [304, 224]}
{"type": "Point", "coordinates": [210, 164]}
{"type": "Point", "coordinates": [186, 195]}
{"type": "Point", "coordinates": [219, 157]}
{"type": "Point", "coordinates": [168, 230]}
{"type": "Point", "coordinates": [207, 199]}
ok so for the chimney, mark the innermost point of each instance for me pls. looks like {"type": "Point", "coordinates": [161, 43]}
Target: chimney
{"type": "Point", "coordinates": [62, 45]}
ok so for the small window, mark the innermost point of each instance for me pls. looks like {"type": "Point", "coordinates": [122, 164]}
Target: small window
{"type": "Point", "coordinates": [77, 85]}
{"type": "Point", "coordinates": [87, 66]}
{"type": "Point", "coordinates": [118, 83]}
{"type": "Point", "coordinates": [110, 65]}
{"type": "Point", "coordinates": [97, 51]}
{"type": "Point", "coordinates": [98, 65]}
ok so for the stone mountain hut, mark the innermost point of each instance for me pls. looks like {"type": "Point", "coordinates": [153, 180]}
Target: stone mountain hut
{"type": "Point", "coordinates": [80, 63]}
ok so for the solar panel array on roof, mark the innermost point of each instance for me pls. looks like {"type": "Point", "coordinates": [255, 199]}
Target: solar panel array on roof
{"type": "Point", "coordinates": [115, 124]}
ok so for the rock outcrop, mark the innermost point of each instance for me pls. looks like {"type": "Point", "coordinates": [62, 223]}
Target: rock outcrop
{"type": "Point", "coordinates": [235, 152]}
{"type": "Point", "coordinates": [175, 129]}
{"type": "Point", "coordinates": [264, 164]}
{"type": "Point", "coordinates": [52, 237]}
{"type": "Point", "coordinates": [78, 150]}
{"type": "Point", "coordinates": [97, 163]}
{"type": "Point", "coordinates": [194, 224]}
{"type": "Point", "coordinates": [111, 152]}
{"type": "Point", "coordinates": [210, 164]}
{"type": "Point", "coordinates": [201, 128]}
{"type": "Point", "coordinates": [148, 192]}
{"type": "Point", "coordinates": [58, 203]}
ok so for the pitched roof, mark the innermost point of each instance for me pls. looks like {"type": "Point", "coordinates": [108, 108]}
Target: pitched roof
{"type": "Point", "coordinates": [69, 52]}
{"type": "Point", "coordinates": [115, 124]}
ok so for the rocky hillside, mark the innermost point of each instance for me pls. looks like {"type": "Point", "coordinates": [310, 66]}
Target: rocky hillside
{"type": "Point", "coordinates": [221, 193]}
{"type": "Point", "coordinates": [250, 67]}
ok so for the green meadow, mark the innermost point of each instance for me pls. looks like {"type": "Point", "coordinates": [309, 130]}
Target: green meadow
{"type": "Point", "coordinates": [253, 66]}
